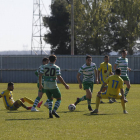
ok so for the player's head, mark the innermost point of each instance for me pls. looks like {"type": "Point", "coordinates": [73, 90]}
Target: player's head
{"type": "Point", "coordinates": [52, 58]}
{"type": "Point", "coordinates": [88, 60]}
{"type": "Point", "coordinates": [124, 53]}
{"type": "Point", "coordinates": [45, 60]}
{"type": "Point", "coordinates": [10, 86]}
{"type": "Point", "coordinates": [118, 71]}
{"type": "Point", "coordinates": [106, 58]}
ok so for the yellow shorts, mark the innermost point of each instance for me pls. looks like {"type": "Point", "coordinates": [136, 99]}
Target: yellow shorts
{"type": "Point", "coordinates": [106, 95]}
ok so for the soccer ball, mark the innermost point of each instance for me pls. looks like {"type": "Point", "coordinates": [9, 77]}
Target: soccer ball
{"type": "Point", "coordinates": [71, 107]}
{"type": "Point", "coordinates": [47, 104]}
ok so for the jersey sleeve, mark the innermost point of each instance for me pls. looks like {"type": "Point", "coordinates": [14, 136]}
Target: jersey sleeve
{"type": "Point", "coordinates": [107, 80]}
{"type": "Point", "coordinates": [95, 67]}
{"type": "Point", "coordinates": [41, 70]}
{"type": "Point", "coordinates": [58, 71]}
{"type": "Point", "coordinates": [117, 61]}
{"type": "Point", "coordinates": [2, 94]}
{"type": "Point", "coordinates": [80, 70]}
{"type": "Point", "coordinates": [100, 67]}
{"type": "Point", "coordinates": [36, 72]}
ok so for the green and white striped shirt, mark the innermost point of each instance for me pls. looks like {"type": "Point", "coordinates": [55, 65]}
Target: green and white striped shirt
{"type": "Point", "coordinates": [50, 72]}
{"type": "Point", "coordinates": [122, 64]}
{"type": "Point", "coordinates": [37, 74]}
{"type": "Point", "coordinates": [88, 72]}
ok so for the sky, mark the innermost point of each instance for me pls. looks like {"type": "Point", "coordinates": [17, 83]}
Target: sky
{"type": "Point", "coordinates": [16, 23]}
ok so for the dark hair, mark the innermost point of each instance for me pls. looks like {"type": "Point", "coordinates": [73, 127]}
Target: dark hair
{"type": "Point", "coordinates": [118, 71]}
{"type": "Point", "coordinates": [88, 56]}
{"type": "Point", "coordinates": [45, 59]}
{"type": "Point", "coordinates": [123, 50]}
{"type": "Point", "coordinates": [10, 84]}
{"type": "Point", "coordinates": [106, 56]}
{"type": "Point", "coordinates": [52, 58]}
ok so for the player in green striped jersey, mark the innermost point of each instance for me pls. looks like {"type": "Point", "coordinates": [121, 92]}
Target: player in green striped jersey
{"type": "Point", "coordinates": [51, 72]}
{"type": "Point", "coordinates": [40, 92]}
{"type": "Point", "coordinates": [87, 70]}
{"type": "Point", "coordinates": [122, 63]}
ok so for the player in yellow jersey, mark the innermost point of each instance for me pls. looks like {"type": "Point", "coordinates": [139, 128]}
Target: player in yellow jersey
{"type": "Point", "coordinates": [115, 85]}
{"type": "Point", "coordinates": [104, 71]}
{"type": "Point", "coordinates": [9, 102]}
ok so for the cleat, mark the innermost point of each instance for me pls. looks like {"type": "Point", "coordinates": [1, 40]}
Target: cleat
{"type": "Point", "coordinates": [50, 115]}
{"type": "Point", "coordinates": [39, 104]}
{"type": "Point", "coordinates": [94, 111]}
{"type": "Point", "coordinates": [110, 101]}
{"type": "Point", "coordinates": [101, 102]}
{"type": "Point", "coordinates": [125, 100]}
{"type": "Point", "coordinates": [77, 101]}
{"type": "Point", "coordinates": [114, 100]}
{"type": "Point", "coordinates": [55, 114]}
{"type": "Point", "coordinates": [89, 108]}
{"type": "Point", "coordinates": [34, 109]}
{"type": "Point", "coordinates": [28, 108]}
{"type": "Point", "coordinates": [125, 112]}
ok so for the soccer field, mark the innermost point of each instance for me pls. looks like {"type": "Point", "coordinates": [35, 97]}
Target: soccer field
{"type": "Point", "coordinates": [109, 124]}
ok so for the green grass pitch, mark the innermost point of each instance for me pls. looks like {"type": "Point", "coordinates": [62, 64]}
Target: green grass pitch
{"type": "Point", "coordinates": [109, 124]}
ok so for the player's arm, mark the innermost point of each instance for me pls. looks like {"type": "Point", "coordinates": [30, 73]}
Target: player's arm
{"type": "Point", "coordinates": [40, 81]}
{"type": "Point", "coordinates": [102, 87]}
{"type": "Point", "coordinates": [96, 76]}
{"type": "Point", "coordinates": [78, 79]}
{"type": "Point", "coordinates": [115, 66]}
{"type": "Point", "coordinates": [129, 69]}
{"type": "Point", "coordinates": [62, 81]}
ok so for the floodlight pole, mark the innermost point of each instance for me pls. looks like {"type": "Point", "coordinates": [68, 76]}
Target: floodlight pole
{"type": "Point", "coordinates": [72, 28]}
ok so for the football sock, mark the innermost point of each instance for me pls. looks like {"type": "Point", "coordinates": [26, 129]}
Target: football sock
{"type": "Point", "coordinates": [57, 104]}
{"type": "Point", "coordinates": [82, 99]}
{"type": "Point", "coordinates": [50, 104]}
{"type": "Point", "coordinates": [123, 104]}
{"type": "Point", "coordinates": [97, 102]}
{"type": "Point", "coordinates": [89, 102]}
{"type": "Point", "coordinates": [36, 101]}
{"type": "Point", "coordinates": [126, 92]}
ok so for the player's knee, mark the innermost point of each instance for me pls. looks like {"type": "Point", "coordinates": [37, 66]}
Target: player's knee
{"type": "Point", "coordinates": [22, 99]}
{"type": "Point", "coordinates": [128, 86]}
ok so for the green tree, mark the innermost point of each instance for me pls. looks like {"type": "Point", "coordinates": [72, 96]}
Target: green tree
{"type": "Point", "coordinates": [58, 23]}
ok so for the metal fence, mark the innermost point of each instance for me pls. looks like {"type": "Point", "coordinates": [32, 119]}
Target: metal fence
{"type": "Point", "coordinates": [21, 69]}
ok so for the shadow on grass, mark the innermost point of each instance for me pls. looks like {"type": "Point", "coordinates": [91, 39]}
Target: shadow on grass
{"type": "Point", "coordinates": [25, 119]}
{"type": "Point", "coordinates": [22, 111]}
{"type": "Point", "coordinates": [69, 111]}
{"type": "Point", "coordinates": [96, 114]}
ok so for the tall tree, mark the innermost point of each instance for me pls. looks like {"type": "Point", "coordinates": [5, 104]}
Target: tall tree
{"type": "Point", "coordinates": [58, 23]}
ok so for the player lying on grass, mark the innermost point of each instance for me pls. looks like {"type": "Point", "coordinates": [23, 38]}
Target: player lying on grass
{"type": "Point", "coordinates": [115, 85]}
{"type": "Point", "coordinates": [9, 102]}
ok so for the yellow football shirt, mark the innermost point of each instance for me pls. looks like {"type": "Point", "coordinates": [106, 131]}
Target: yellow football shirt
{"type": "Point", "coordinates": [115, 83]}
{"type": "Point", "coordinates": [105, 70]}
{"type": "Point", "coordinates": [7, 98]}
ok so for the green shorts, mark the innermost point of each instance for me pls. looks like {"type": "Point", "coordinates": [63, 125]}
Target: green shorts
{"type": "Point", "coordinates": [42, 90]}
{"type": "Point", "coordinates": [87, 85]}
{"type": "Point", "coordinates": [125, 78]}
{"type": "Point", "coordinates": [55, 93]}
